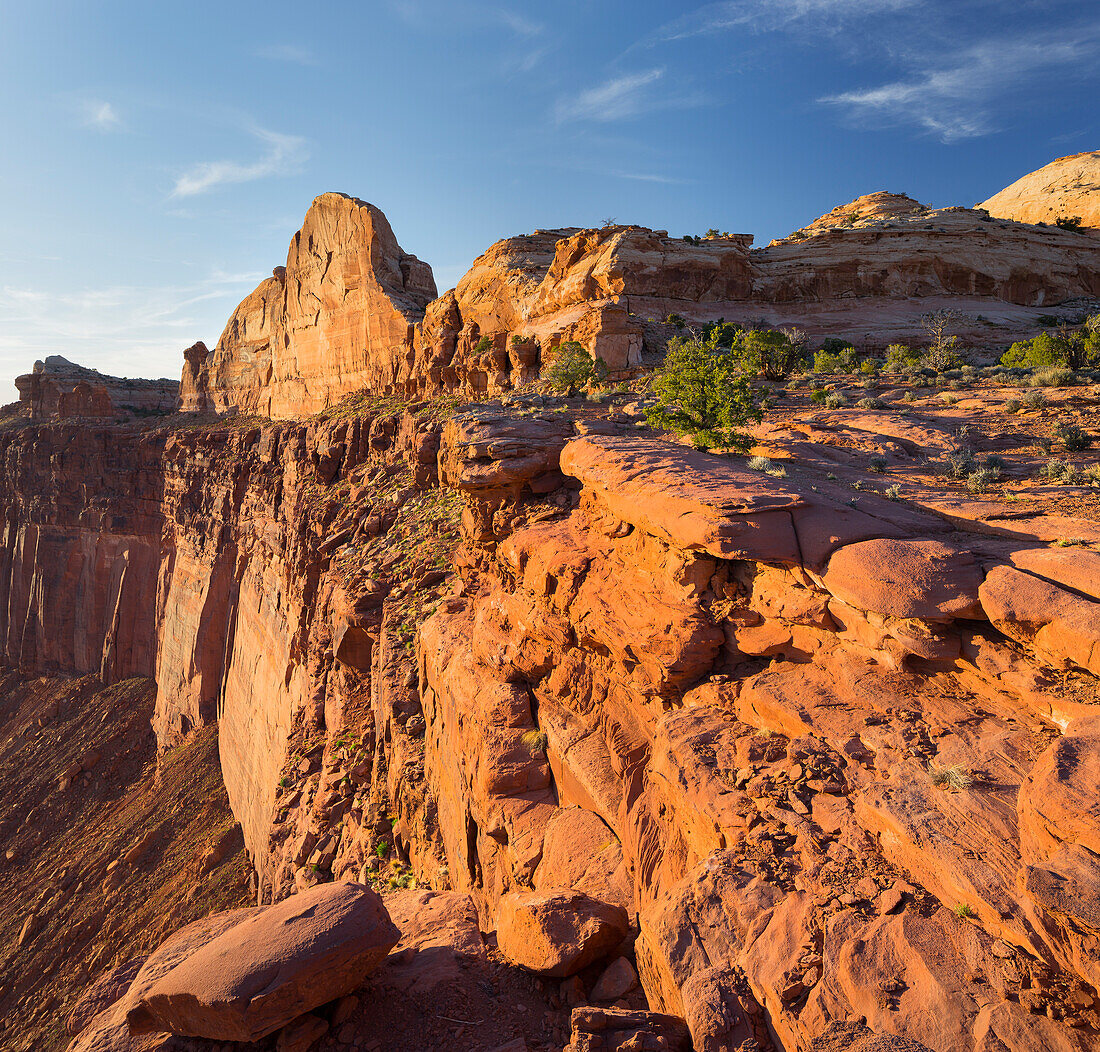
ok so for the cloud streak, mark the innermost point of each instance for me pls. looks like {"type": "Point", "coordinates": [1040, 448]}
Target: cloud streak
{"type": "Point", "coordinates": [619, 98]}
{"type": "Point", "coordinates": [283, 155]}
{"type": "Point", "coordinates": [955, 99]}
{"type": "Point", "coordinates": [126, 330]}
{"type": "Point", "coordinates": [298, 56]}
{"type": "Point", "coordinates": [768, 15]}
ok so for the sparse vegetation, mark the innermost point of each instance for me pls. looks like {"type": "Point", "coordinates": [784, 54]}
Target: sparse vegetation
{"type": "Point", "coordinates": [952, 777]}
{"type": "Point", "coordinates": [535, 742]}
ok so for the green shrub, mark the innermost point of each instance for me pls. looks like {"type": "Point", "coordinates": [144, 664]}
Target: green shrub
{"type": "Point", "coordinates": [1068, 222]}
{"type": "Point", "coordinates": [1072, 437]}
{"type": "Point", "coordinates": [703, 392]}
{"type": "Point", "coordinates": [899, 357]}
{"type": "Point", "coordinates": [1071, 348]}
{"type": "Point", "coordinates": [770, 353]}
{"type": "Point", "coordinates": [842, 360]}
{"type": "Point", "coordinates": [979, 481]}
{"type": "Point", "coordinates": [571, 369]}
{"type": "Point", "coordinates": [818, 395]}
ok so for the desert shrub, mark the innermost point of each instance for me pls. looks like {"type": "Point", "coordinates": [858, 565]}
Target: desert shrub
{"type": "Point", "coordinates": [877, 464]}
{"type": "Point", "coordinates": [899, 357]}
{"type": "Point", "coordinates": [979, 481]}
{"type": "Point", "coordinates": [1034, 354]}
{"type": "Point", "coordinates": [843, 359]}
{"type": "Point", "coordinates": [819, 395]}
{"type": "Point", "coordinates": [676, 320]}
{"type": "Point", "coordinates": [758, 464]}
{"type": "Point", "coordinates": [571, 368]}
{"type": "Point", "coordinates": [770, 353]}
{"type": "Point", "coordinates": [1072, 437]}
{"type": "Point", "coordinates": [1072, 348]}
{"type": "Point", "coordinates": [892, 492]}
{"type": "Point", "coordinates": [941, 359]}
{"type": "Point", "coordinates": [1055, 376]}
{"type": "Point", "coordinates": [994, 463]}
{"type": "Point", "coordinates": [1035, 400]}
{"type": "Point", "coordinates": [835, 400]}
{"type": "Point", "coordinates": [1068, 222]}
{"type": "Point", "coordinates": [959, 463]}
{"type": "Point", "coordinates": [943, 351]}
{"type": "Point", "coordinates": [535, 742]}
{"type": "Point", "coordinates": [870, 403]}
{"type": "Point", "coordinates": [952, 776]}
{"type": "Point", "coordinates": [1013, 405]}
{"type": "Point", "coordinates": [702, 392]}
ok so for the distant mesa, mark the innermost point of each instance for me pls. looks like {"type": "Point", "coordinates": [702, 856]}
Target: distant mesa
{"type": "Point", "coordinates": [1066, 189]}
{"type": "Point", "coordinates": [58, 389]}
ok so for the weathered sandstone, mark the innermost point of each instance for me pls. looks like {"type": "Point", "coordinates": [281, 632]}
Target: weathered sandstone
{"type": "Point", "coordinates": [351, 310]}
{"type": "Point", "coordinates": [1065, 188]}
{"type": "Point", "coordinates": [271, 966]}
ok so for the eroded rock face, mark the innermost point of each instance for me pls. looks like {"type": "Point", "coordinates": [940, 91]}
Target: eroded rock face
{"type": "Point", "coordinates": [337, 318]}
{"type": "Point", "coordinates": [820, 755]}
{"type": "Point", "coordinates": [1065, 188]}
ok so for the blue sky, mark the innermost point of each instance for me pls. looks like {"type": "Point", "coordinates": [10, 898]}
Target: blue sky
{"type": "Point", "coordinates": [158, 157]}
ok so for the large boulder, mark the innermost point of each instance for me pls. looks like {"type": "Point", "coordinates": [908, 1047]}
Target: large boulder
{"type": "Point", "coordinates": [557, 933]}
{"type": "Point", "coordinates": [272, 967]}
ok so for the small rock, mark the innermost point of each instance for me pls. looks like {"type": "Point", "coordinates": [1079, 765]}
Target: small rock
{"type": "Point", "coordinates": [618, 978]}
{"type": "Point", "coordinates": [572, 992]}
{"type": "Point", "coordinates": [889, 900]}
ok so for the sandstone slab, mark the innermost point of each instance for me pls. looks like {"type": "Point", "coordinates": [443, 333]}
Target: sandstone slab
{"type": "Point", "coordinates": [272, 967]}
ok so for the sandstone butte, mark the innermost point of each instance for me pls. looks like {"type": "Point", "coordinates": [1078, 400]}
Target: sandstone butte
{"type": "Point", "coordinates": [1066, 188]}
{"type": "Point", "coordinates": [642, 747]}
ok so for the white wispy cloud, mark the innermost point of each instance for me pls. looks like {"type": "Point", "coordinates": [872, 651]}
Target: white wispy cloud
{"type": "Point", "coordinates": [284, 155]}
{"type": "Point", "coordinates": [623, 96]}
{"type": "Point", "coordinates": [126, 330]}
{"type": "Point", "coordinates": [519, 24]}
{"type": "Point", "coordinates": [101, 115]}
{"type": "Point", "coordinates": [764, 15]}
{"type": "Point", "coordinates": [294, 53]}
{"type": "Point", "coordinates": [958, 97]}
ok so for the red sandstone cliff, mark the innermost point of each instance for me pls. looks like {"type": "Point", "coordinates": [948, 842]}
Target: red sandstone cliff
{"type": "Point", "coordinates": [336, 318]}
